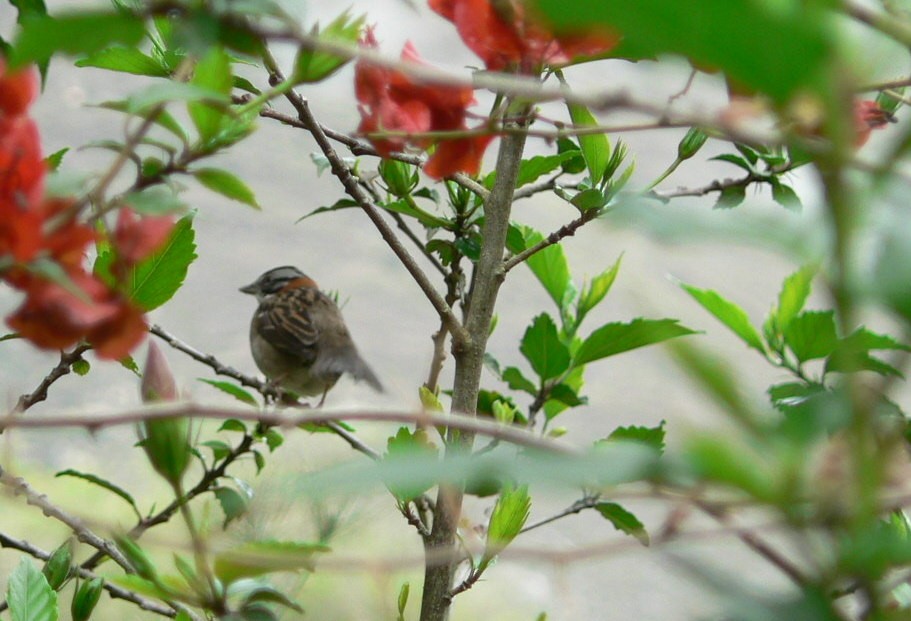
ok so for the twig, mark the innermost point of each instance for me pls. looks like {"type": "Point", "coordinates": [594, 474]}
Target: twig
{"type": "Point", "coordinates": [555, 237]}
{"type": "Point", "coordinates": [162, 411]}
{"type": "Point", "coordinates": [67, 360]}
{"type": "Point", "coordinates": [588, 502]}
{"type": "Point", "coordinates": [115, 591]}
{"type": "Point", "coordinates": [531, 189]}
{"type": "Point", "coordinates": [19, 486]}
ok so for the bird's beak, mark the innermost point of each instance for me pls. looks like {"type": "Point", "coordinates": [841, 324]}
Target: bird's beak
{"type": "Point", "coordinates": [251, 289]}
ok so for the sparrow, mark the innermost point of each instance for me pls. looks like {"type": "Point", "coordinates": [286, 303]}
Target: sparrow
{"type": "Point", "coordinates": [298, 336]}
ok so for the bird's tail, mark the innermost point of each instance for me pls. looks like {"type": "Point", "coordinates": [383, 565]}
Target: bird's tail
{"type": "Point", "coordinates": [349, 362]}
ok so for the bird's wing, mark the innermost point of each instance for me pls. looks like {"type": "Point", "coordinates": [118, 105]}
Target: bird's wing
{"type": "Point", "coordinates": [285, 321]}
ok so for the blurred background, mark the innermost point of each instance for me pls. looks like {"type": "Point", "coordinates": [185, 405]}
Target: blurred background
{"type": "Point", "coordinates": [743, 253]}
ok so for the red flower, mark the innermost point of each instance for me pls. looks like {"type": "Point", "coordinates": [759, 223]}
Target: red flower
{"type": "Point", "coordinates": [391, 101]}
{"type": "Point", "coordinates": [17, 90]}
{"type": "Point", "coordinates": [135, 238]}
{"type": "Point", "coordinates": [21, 166]}
{"type": "Point", "coordinates": [867, 117]}
{"type": "Point", "coordinates": [503, 34]}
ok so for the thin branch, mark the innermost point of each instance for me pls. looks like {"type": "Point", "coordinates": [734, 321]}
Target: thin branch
{"type": "Point", "coordinates": [115, 591]}
{"type": "Point", "coordinates": [162, 411]}
{"type": "Point", "coordinates": [531, 189]}
{"type": "Point", "coordinates": [554, 238]}
{"type": "Point", "coordinates": [67, 360]}
{"type": "Point", "coordinates": [349, 182]}
{"type": "Point", "coordinates": [18, 486]}
{"type": "Point", "coordinates": [588, 502]}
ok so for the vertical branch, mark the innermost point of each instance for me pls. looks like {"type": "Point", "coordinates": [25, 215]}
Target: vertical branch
{"type": "Point", "coordinates": [469, 360]}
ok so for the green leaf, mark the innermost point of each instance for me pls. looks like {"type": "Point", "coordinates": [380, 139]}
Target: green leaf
{"type": "Point", "coordinates": [403, 447]}
{"type": "Point", "coordinates": [58, 567]}
{"type": "Point", "coordinates": [111, 487]}
{"type": "Point", "coordinates": [576, 162]}
{"type": "Point", "coordinates": [516, 381]}
{"type": "Point", "coordinates": [154, 281]}
{"type": "Point", "coordinates": [263, 557]}
{"type": "Point", "coordinates": [235, 391]}
{"type": "Point", "coordinates": [736, 160]}
{"type": "Point", "coordinates": [227, 184]}
{"type": "Point", "coordinates": [213, 72]}
{"type": "Point", "coordinates": [54, 160]}
{"type": "Point", "coordinates": [595, 147]}
{"type": "Point", "coordinates": [852, 353]}
{"type": "Point", "coordinates": [155, 201]}
{"type": "Point", "coordinates": [615, 338]}
{"type": "Point", "coordinates": [731, 196]}
{"type": "Point", "coordinates": [533, 168]}
{"type": "Point", "coordinates": [233, 503]}
{"type": "Point", "coordinates": [266, 593]}
{"type": "Point", "coordinates": [165, 92]}
{"type": "Point", "coordinates": [402, 600]}
{"type": "Point", "coordinates": [595, 290]}
{"type": "Point", "coordinates": [588, 200]}
{"type": "Point", "coordinates": [507, 519]}
{"type": "Point", "coordinates": [793, 296]}
{"type": "Point", "coordinates": [163, 118]}
{"type": "Point", "coordinates": [811, 335]}
{"type": "Point", "coordinates": [232, 424]}
{"type": "Point", "coordinates": [220, 449]}
{"type": "Point", "coordinates": [274, 438]}
{"type": "Point", "coordinates": [28, 594]}
{"type": "Point", "coordinates": [407, 208]}
{"type": "Point", "coordinates": [342, 203]}
{"type": "Point", "coordinates": [795, 40]}
{"type": "Point", "coordinates": [567, 396]}
{"type": "Point", "coordinates": [549, 266]}
{"type": "Point", "coordinates": [542, 347]}
{"type": "Point", "coordinates": [650, 436]}
{"type": "Point", "coordinates": [125, 60]}
{"type": "Point", "coordinates": [785, 195]}
{"type": "Point", "coordinates": [74, 33]}
{"type": "Point", "coordinates": [313, 65]}
{"type": "Point", "coordinates": [728, 313]}
{"type": "Point", "coordinates": [623, 520]}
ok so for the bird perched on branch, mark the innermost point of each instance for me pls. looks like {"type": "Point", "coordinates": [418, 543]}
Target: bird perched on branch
{"type": "Point", "coordinates": [298, 336]}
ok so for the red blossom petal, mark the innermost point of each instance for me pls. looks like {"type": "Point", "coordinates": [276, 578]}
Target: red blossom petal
{"type": "Point", "coordinates": [17, 90]}
{"type": "Point", "coordinates": [54, 318]}
{"type": "Point", "coordinates": [116, 337]}
{"type": "Point", "coordinates": [459, 155]}
{"type": "Point", "coordinates": [21, 166]}
{"type": "Point", "coordinates": [20, 231]}
{"type": "Point", "coordinates": [135, 238]}
{"type": "Point", "coordinates": [484, 31]}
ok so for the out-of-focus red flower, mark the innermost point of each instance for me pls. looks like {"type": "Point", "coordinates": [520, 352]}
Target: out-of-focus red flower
{"type": "Point", "coordinates": [17, 90]}
{"type": "Point", "coordinates": [504, 34]}
{"type": "Point", "coordinates": [461, 154]}
{"type": "Point", "coordinates": [21, 166]}
{"type": "Point", "coordinates": [135, 237]}
{"type": "Point", "coordinates": [391, 101]}
{"type": "Point", "coordinates": [117, 337]}
{"type": "Point", "coordinates": [867, 117]}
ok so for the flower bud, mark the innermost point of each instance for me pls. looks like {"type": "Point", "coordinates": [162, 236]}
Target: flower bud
{"type": "Point", "coordinates": [85, 598]}
{"type": "Point", "coordinates": [57, 567]}
{"type": "Point", "coordinates": [140, 563]}
{"type": "Point", "coordinates": [167, 440]}
{"type": "Point", "coordinates": [400, 178]}
{"type": "Point", "coordinates": [157, 379]}
{"type": "Point", "coordinates": [691, 143]}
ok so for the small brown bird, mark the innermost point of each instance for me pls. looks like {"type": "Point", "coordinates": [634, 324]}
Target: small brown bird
{"type": "Point", "coordinates": [298, 336]}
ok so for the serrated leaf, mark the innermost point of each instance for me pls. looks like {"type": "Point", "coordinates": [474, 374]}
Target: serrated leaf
{"type": "Point", "coordinates": [405, 446]}
{"type": "Point", "coordinates": [531, 169]}
{"type": "Point", "coordinates": [588, 200]}
{"type": "Point", "coordinates": [233, 503]}
{"type": "Point", "coordinates": [125, 60]}
{"type": "Point", "coordinates": [795, 290]}
{"type": "Point", "coordinates": [731, 196]}
{"type": "Point", "coordinates": [542, 347]}
{"type": "Point", "coordinates": [227, 184]}
{"type": "Point", "coordinates": [314, 65]}
{"type": "Point", "coordinates": [514, 378]}
{"type": "Point", "coordinates": [811, 335]}
{"type": "Point", "coordinates": [595, 147]}
{"type": "Point", "coordinates": [728, 313]}
{"type": "Point", "coordinates": [567, 396]}
{"type": "Point", "coordinates": [156, 279]}
{"type": "Point", "coordinates": [28, 594]}
{"type": "Point", "coordinates": [614, 338]}
{"type": "Point", "coordinates": [263, 557]}
{"type": "Point", "coordinates": [595, 290]}
{"type": "Point", "coordinates": [54, 160]}
{"type": "Point", "coordinates": [74, 33]}
{"type": "Point", "coordinates": [785, 195]}
{"type": "Point", "coordinates": [549, 266]}
{"type": "Point", "coordinates": [96, 480]}
{"type": "Point", "coordinates": [235, 391]}
{"type": "Point", "coordinates": [623, 520]}
{"type": "Point", "coordinates": [650, 436]}
{"type": "Point", "coordinates": [575, 162]}
{"type": "Point", "coordinates": [506, 520]}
